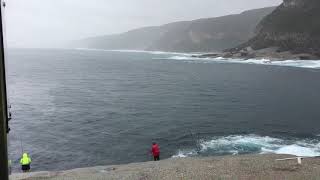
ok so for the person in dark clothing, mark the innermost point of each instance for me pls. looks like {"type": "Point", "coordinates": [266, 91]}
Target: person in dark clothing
{"type": "Point", "coordinates": [155, 151]}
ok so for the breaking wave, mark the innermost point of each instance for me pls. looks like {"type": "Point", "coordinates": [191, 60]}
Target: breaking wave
{"type": "Point", "coordinates": [253, 144]}
{"type": "Point", "coordinates": [314, 64]}
{"type": "Point", "coordinates": [189, 57]}
{"type": "Point", "coordinates": [139, 51]}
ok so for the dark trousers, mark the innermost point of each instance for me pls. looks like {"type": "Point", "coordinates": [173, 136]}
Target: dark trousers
{"type": "Point", "coordinates": [25, 168]}
{"type": "Point", "coordinates": [156, 158]}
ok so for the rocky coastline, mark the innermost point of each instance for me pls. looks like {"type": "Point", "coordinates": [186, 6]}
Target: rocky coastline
{"type": "Point", "coordinates": [272, 53]}
{"type": "Point", "coordinates": [263, 167]}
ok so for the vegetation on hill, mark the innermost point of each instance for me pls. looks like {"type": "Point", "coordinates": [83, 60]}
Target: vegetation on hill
{"type": "Point", "coordinates": [202, 35]}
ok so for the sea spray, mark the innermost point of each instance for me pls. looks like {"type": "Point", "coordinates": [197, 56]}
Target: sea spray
{"type": "Point", "coordinates": [254, 144]}
{"type": "Point", "coordinates": [312, 64]}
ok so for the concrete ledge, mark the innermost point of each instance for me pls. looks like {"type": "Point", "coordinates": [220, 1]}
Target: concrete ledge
{"type": "Point", "coordinates": [225, 167]}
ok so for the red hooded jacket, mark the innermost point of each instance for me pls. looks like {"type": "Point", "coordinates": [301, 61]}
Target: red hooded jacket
{"type": "Point", "coordinates": [155, 150]}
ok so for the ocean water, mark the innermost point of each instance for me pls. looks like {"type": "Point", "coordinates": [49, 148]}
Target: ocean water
{"type": "Point", "coordinates": [81, 107]}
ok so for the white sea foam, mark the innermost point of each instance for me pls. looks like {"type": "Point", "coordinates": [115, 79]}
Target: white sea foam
{"type": "Point", "coordinates": [298, 150]}
{"type": "Point", "coordinates": [246, 144]}
{"type": "Point", "coordinates": [139, 51]}
{"type": "Point", "coordinates": [293, 63]}
{"type": "Point", "coordinates": [88, 49]}
{"type": "Point", "coordinates": [181, 58]}
{"type": "Point", "coordinates": [185, 153]}
{"type": "Point", "coordinates": [219, 58]}
{"type": "Point", "coordinates": [188, 57]}
{"type": "Point", "coordinates": [314, 64]}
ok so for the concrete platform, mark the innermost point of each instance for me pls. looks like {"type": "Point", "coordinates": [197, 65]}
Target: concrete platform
{"type": "Point", "coordinates": [227, 167]}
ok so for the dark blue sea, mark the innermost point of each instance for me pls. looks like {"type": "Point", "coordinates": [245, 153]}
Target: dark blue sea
{"type": "Point", "coordinates": [79, 108]}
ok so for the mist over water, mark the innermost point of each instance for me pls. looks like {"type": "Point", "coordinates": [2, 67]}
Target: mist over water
{"type": "Point", "coordinates": [79, 108]}
{"type": "Point", "coordinates": [53, 24]}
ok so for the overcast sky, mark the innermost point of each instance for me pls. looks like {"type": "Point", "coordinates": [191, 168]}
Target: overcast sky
{"type": "Point", "coordinates": [45, 23]}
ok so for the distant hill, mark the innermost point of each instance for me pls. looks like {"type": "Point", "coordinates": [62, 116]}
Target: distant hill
{"type": "Point", "coordinates": [294, 26]}
{"type": "Point", "coordinates": [203, 35]}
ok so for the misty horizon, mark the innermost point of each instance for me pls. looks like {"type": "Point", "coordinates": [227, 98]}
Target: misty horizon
{"type": "Point", "coordinates": [51, 24]}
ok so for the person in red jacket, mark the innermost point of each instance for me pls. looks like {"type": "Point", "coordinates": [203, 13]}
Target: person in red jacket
{"type": "Point", "coordinates": [155, 151]}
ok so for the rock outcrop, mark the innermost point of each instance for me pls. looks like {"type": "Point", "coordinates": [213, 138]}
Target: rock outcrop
{"type": "Point", "coordinates": [294, 26]}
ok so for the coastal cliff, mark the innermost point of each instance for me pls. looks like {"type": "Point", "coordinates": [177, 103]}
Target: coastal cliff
{"type": "Point", "coordinates": [292, 28]}
{"type": "Point", "coordinates": [201, 35]}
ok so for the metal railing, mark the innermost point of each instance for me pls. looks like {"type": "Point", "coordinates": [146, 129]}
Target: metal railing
{"type": "Point", "coordinates": [299, 159]}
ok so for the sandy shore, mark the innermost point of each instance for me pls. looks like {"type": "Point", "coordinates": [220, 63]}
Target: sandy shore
{"type": "Point", "coordinates": [226, 167]}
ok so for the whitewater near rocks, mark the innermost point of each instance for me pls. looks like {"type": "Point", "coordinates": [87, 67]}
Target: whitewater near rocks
{"type": "Point", "coordinates": [253, 144]}
{"type": "Point", "coordinates": [312, 64]}
{"type": "Point", "coordinates": [106, 102]}
{"type": "Point", "coordinates": [192, 58]}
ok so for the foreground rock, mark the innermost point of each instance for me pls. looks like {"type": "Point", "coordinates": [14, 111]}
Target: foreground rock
{"type": "Point", "coordinates": [272, 53]}
{"type": "Point", "coordinates": [228, 167]}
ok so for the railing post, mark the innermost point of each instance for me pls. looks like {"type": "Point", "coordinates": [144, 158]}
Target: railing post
{"type": "Point", "coordinates": [3, 107]}
{"type": "Point", "coordinates": [299, 160]}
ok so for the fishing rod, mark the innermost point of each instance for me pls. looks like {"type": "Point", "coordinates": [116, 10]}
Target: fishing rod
{"type": "Point", "coordinates": [21, 146]}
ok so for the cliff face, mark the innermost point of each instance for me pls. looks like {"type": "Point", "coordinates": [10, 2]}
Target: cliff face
{"type": "Point", "coordinates": [294, 3]}
{"type": "Point", "coordinates": [211, 34]}
{"type": "Point", "coordinates": [294, 26]}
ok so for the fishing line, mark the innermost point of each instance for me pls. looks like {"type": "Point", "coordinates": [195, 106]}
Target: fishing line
{"type": "Point", "coordinates": [21, 146]}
